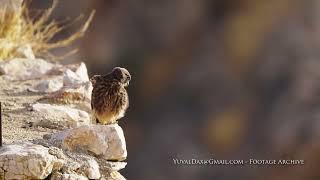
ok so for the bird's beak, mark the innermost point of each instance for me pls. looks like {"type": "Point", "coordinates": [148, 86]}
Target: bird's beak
{"type": "Point", "coordinates": [126, 84]}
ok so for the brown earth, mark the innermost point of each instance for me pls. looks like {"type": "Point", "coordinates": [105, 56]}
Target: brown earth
{"type": "Point", "coordinates": [17, 117]}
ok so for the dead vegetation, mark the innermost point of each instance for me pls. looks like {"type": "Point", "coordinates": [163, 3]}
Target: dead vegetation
{"type": "Point", "coordinates": [19, 29]}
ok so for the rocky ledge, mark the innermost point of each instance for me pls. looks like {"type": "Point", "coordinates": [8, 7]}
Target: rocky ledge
{"type": "Point", "coordinates": [47, 128]}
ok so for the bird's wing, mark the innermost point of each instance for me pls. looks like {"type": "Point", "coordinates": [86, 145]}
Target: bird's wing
{"type": "Point", "coordinates": [94, 78]}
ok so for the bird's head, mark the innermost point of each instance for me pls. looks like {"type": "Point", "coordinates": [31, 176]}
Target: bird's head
{"type": "Point", "coordinates": [122, 75]}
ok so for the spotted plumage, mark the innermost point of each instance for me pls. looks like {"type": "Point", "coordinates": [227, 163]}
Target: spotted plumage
{"type": "Point", "coordinates": [109, 99]}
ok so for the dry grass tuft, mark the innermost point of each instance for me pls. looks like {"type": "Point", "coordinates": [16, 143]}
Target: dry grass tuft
{"type": "Point", "coordinates": [18, 29]}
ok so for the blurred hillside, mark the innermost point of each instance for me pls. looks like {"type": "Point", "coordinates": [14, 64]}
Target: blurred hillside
{"type": "Point", "coordinates": [211, 78]}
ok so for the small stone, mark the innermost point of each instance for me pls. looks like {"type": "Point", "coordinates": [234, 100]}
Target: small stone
{"type": "Point", "coordinates": [71, 167]}
{"type": "Point", "coordinates": [72, 78]}
{"type": "Point", "coordinates": [106, 141]}
{"type": "Point", "coordinates": [25, 69]}
{"type": "Point", "coordinates": [58, 165]}
{"type": "Point", "coordinates": [66, 116]}
{"type": "Point", "coordinates": [26, 161]}
{"type": "Point", "coordinates": [116, 176]}
{"type": "Point", "coordinates": [47, 86]}
{"type": "Point", "coordinates": [91, 169]}
{"type": "Point", "coordinates": [115, 166]}
{"type": "Point", "coordinates": [56, 152]}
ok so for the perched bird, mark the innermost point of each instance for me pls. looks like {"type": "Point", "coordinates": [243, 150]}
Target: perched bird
{"type": "Point", "coordinates": [109, 99]}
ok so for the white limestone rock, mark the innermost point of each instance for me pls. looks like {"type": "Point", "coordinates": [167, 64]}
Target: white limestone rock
{"type": "Point", "coordinates": [84, 90]}
{"type": "Point", "coordinates": [79, 76]}
{"type": "Point", "coordinates": [114, 166]}
{"type": "Point", "coordinates": [25, 69]}
{"type": "Point", "coordinates": [106, 141]}
{"type": "Point", "coordinates": [48, 85]}
{"type": "Point", "coordinates": [61, 116]}
{"type": "Point", "coordinates": [115, 176]}
{"type": "Point", "coordinates": [26, 161]}
{"type": "Point", "coordinates": [88, 168]}
{"type": "Point", "coordinates": [91, 169]}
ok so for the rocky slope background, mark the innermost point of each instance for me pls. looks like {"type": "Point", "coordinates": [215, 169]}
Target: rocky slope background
{"type": "Point", "coordinates": [47, 128]}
